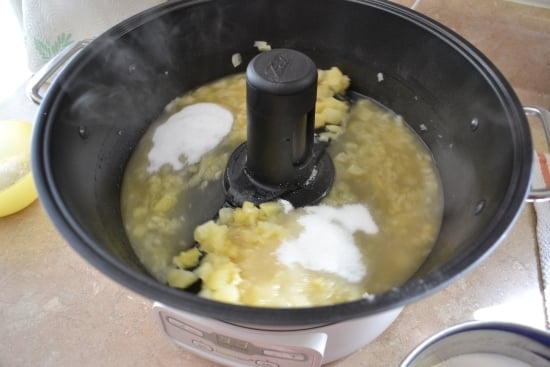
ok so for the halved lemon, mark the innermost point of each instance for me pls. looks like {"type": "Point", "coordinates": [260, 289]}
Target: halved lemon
{"type": "Point", "coordinates": [17, 188]}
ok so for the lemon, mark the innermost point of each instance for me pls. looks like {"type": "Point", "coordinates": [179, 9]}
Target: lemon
{"type": "Point", "coordinates": [17, 188]}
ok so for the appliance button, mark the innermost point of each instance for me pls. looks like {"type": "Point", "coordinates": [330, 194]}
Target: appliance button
{"type": "Point", "coordinates": [232, 343]}
{"type": "Point", "coordinates": [285, 355]}
{"type": "Point", "coordinates": [202, 345]}
{"type": "Point", "coordinates": [266, 364]}
{"type": "Point", "coordinates": [182, 325]}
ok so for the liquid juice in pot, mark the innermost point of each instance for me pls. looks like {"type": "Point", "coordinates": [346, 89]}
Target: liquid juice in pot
{"type": "Point", "coordinates": [371, 233]}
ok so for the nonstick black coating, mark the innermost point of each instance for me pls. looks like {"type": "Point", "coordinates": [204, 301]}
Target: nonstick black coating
{"type": "Point", "coordinates": [105, 99]}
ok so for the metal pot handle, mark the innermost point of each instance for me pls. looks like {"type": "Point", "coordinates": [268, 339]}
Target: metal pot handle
{"type": "Point", "coordinates": [540, 195]}
{"type": "Point", "coordinates": [46, 73]}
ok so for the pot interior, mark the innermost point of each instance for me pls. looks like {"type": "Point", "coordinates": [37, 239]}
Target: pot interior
{"type": "Point", "coordinates": [458, 103]}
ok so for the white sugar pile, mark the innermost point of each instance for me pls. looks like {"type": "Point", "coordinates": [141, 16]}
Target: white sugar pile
{"type": "Point", "coordinates": [191, 132]}
{"type": "Point", "coordinates": [326, 242]}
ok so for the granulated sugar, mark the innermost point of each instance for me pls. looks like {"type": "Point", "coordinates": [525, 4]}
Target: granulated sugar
{"type": "Point", "coordinates": [482, 359]}
{"type": "Point", "coordinates": [191, 132]}
{"type": "Point", "coordinates": [12, 169]}
{"type": "Point", "coordinates": [326, 242]}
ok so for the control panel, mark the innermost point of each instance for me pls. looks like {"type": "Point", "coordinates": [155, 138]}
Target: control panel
{"type": "Point", "coordinates": [236, 345]}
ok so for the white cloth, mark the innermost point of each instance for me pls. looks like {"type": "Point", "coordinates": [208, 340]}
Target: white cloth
{"type": "Point", "coordinates": [541, 179]}
{"type": "Point", "coordinates": [50, 25]}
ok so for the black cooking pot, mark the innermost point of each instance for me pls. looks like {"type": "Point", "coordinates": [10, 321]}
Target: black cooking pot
{"type": "Point", "coordinates": [98, 108]}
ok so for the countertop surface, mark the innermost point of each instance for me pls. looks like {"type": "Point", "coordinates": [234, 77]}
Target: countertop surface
{"type": "Point", "coordinates": [57, 310]}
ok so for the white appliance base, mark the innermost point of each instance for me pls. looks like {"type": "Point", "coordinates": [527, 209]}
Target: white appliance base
{"type": "Point", "coordinates": [253, 345]}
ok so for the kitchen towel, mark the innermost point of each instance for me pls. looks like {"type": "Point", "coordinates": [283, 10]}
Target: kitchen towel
{"type": "Point", "coordinates": [50, 25]}
{"type": "Point", "coordinates": [541, 179]}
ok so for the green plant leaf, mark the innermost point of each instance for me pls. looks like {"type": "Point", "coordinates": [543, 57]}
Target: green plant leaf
{"type": "Point", "coordinates": [47, 50]}
{"type": "Point", "coordinates": [42, 49]}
